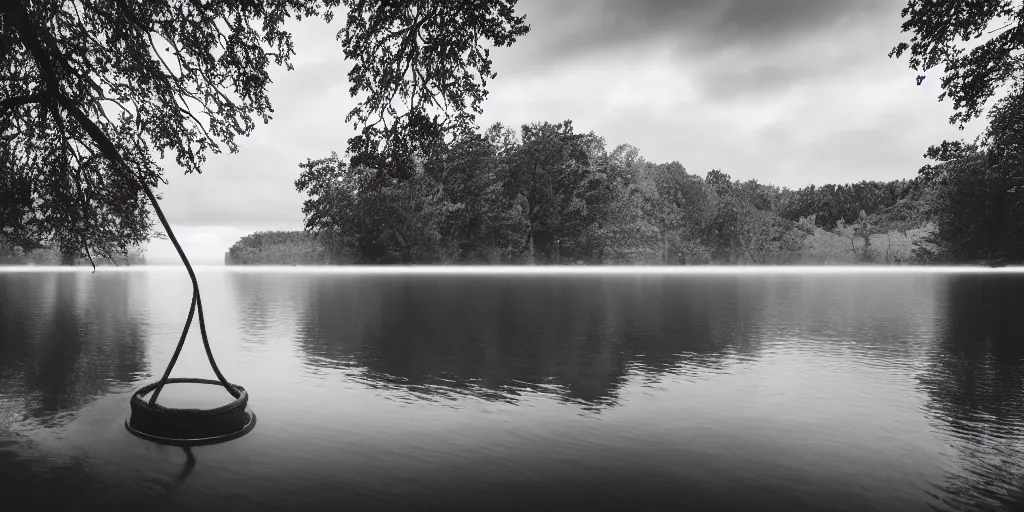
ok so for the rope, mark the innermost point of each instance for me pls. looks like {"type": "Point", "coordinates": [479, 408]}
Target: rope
{"type": "Point", "coordinates": [111, 152]}
{"type": "Point", "coordinates": [197, 302]}
{"type": "Point", "coordinates": [17, 15]}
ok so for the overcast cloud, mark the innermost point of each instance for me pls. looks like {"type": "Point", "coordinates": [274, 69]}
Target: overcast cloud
{"type": "Point", "coordinates": [789, 92]}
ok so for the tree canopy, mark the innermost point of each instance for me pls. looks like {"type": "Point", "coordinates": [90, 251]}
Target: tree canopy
{"type": "Point", "coordinates": [83, 81]}
{"type": "Point", "coordinates": [431, 56]}
{"type": "Point", "coordinates": [551, 195]}
{"type": "Point", "coordinates": [977, 188]}
{"type": "Point", "coordinates": [939, 29]}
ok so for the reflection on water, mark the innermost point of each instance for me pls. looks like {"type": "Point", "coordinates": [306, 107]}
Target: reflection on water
{"type": "Point", "coordinates": [758, 391]}
{"type": "Point", "coordinates": [975, 385]}
{"type": "Point", "coordinates": [577, 338]}
{"type": "Point", "coordinates": [67, 339]}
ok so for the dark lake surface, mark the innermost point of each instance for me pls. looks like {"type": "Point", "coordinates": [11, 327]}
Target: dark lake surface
{"type": "Point", "coordinates": [701, 391]}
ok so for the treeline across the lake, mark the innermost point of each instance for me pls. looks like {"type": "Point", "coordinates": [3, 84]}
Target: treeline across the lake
{"type": "Point", "coordinates": [278, 248]}
{"type": "Point", "coordinates": [43, 255]}
{"type": "Point", "coordinates": [549, 195]}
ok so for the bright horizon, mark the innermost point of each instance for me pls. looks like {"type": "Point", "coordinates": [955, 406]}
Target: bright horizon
{"type": "Point", "coordinates": [535, 269]}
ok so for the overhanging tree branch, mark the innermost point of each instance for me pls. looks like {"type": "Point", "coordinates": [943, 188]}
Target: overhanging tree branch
{"type": "Point", "coordinates": [19, 101]}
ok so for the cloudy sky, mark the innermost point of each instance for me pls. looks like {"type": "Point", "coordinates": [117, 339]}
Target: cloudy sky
{"type": "Point", "coordinates": [789, 92]}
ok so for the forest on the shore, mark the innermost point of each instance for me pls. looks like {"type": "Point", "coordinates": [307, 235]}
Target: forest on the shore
{"type": "Point", "coordinates": [421, 183]}
{"type": "Point", "coordinates": [417, 192]}
{"type": "Point", "coordinates": [549, 195]}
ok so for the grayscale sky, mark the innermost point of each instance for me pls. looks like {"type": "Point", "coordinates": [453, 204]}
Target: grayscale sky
{"type": "Point", "coordinates": [789, 92]}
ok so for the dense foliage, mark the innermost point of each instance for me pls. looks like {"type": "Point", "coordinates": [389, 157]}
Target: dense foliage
{"type": "Point", "coordinates": [278, 248]}
{"type": "Point", "coordinates": [551, 195]}
{"type": "Point", "coordinates": [421, 67]}
{"type": "Point", "coordinates": [976, 189]}
{"type": "Point", "coordinates": [87, 83]}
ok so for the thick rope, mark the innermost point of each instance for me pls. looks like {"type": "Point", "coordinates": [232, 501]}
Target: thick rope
{"type": "Point", "coordinates": [197, 302]}
{"type": "Point", "coordinates": [177, 350]}
{"type": "Point", "coordinates": [17, 15]}
{"type": "Point", "coordinates": [107, 147]}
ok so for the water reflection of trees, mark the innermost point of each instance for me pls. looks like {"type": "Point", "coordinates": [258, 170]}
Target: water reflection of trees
{"type": "Point", "coordinates": [975, 383]}
{"type": "Point", "coordinates": [581, 336]}
{"type": "Point", "coordinates": [496, 336]}
{"type": "Point", "coordinates": [65, 338]}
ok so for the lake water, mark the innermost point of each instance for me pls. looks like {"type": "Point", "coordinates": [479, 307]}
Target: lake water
{"type": "Point", "coordinates": [705, 391]}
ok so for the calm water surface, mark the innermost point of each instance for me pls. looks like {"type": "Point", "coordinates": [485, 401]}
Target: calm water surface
{"type": "Point", "coordinates": [850, 391]}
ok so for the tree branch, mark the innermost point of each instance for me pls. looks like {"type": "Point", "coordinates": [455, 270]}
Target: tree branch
{"type": "Point", "coordinates": [19, 101]}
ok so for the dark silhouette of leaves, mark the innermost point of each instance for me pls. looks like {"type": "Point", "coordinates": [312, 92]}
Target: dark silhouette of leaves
{"type": "Point", "coordinates": [423, 68]}
{"type": "Point", "coordinates": [972, 77]}
{"type": "Point", "coordinates": [85, 80]}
